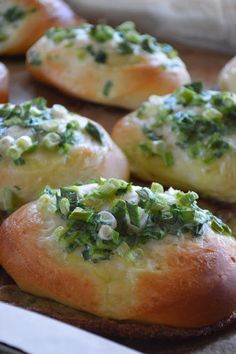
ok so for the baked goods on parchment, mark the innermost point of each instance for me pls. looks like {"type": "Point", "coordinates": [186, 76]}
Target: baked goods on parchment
{"type": "Point", "coordinates": [42, 146]}
{"type": "Point", "coordinates": [186, 140]}
{"type": "Point", "coordinates": [125, 253]}
{"type": "Point", "coordinates": [22, 22]}
{"type": "Point", "coordinates": [113, 66]}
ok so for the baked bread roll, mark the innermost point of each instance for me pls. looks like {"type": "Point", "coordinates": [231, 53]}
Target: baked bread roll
{"type": "Point", "coordinates": [227, 77]}
{"type": "Point", "coordinates": [186, 139]}
{"type": "Point", "coordinates": [4, 83]}
{"type": "Point", "coordinates": [24, 21]}
{"type": "Point", "coordinates": [124, 252]}
{"type": "Point", "coordinates": [113, 66]}
{"type": "Point", "coordinates": [42, 146]}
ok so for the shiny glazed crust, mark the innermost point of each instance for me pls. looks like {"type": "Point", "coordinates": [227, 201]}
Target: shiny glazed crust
{"type": "Point", "coordinates": [227, 77]}
{"type": "Point", "coordinates": [43, 167]}
{"type": "Point", "coordinates": [215, 180]}
{"type": "Point", "coordinates": [45, 14]}
{"type": "Point", "coordinates": [132, 82]}
{"type": "Point", "coordinates": [183, 283]}
{"type": "Point", "coordinates": [4, 83]}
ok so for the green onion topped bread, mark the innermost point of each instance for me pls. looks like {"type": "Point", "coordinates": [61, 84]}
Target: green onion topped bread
{"type": "Point", "coordinates": [22, 22]}
{"type": "Point", "coordinates": [114, 66]}
{"type": "Point", "coordinates": [42, 146]}
{"type": "Point", "coordinates": [124, 253]}
{"type": "Point", "coordinates": [186, 139]}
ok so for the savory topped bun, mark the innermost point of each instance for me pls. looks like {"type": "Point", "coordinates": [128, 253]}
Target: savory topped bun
{"type": "Point", "coordinates": [124, 252]}
{"type": "Point", "coordinates": [4, 83]}
{"type": "Point", "coordinates": [227, 77]}
{"type": "Point", "coordinates": [24, 21]}
{"type": "Point", "coordinates": [113, 66]}
{"type": "Point", "coordinates": [186, 139]}
{"type": "Point", "coordinates": [42, 146]}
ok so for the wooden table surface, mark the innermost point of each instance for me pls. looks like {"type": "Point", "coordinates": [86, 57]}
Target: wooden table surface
{"type": "Point", "coordinates": [203, 65]}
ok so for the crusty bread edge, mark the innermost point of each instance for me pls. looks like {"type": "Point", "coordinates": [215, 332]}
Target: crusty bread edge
{"type": "Point", "coordinates": [126, 329]}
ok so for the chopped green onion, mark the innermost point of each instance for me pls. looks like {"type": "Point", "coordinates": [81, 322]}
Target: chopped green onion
{"type": "Point", "coordinates": [24, 142]}
{"type": "Point", "coordinates": [125, 48]}
{"type": "Point", "coordinates": [107, 218]}
{"type": "Point", "coordinates": [51, 140]}
{"type": "Point", "coordinates": [105, 232]}
{"type": "Point", "coordinates": [14, 13]}
{"type": "Point", "coordinates": [107, 88]}
{"type": "Point", "coordinates": [133, 212]}
{"type": "Point", "coordinates": [100, 57]}
{"type": "Point", "coordinates": [81, 214]}
{"type": "Point", "coordinates": [157, 188]}
{"type": "Point", "coordinates": [101, 32]}
{"type": "Point", "coordinates": [94, 132]}
{"type": "Point", "coordinates": [64, 206]}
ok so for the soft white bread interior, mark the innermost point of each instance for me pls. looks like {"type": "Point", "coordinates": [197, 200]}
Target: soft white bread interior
{"type": "Point", "coordinates": [227, 76]}
{"type": "Point", "coordinates": [42, 146]}
{"type": "Point", "coordinates": [179, 270]}
{"type": "Point", "coordinates": [24, 21]}
{"type": "Point", "coordinates": [186, 140]}
{"type": "Point", "coordinates": [4, 83]}
{"type": "Point", "coordinates": [117, 67]}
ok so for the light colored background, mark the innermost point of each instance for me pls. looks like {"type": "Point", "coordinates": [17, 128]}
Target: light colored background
{"type": "Point", "coordinates": [204, 23]}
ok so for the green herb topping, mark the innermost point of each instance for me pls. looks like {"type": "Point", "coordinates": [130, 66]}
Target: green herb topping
{"type": "Point", "coordinates": [94, 132]}
{"type": "Point", "coordinates": [201, 120]}
{"type": "Point", "coordinates": [12, 16]}
{"type": "Point", "coordinates": [113, 217]}
{"type": "Point", "coordinates": [34, 58]}
{"type": "Point", "coordinates": [128, 41]}
{"type": "Point", "coordinates": [44, 127]}
{"type": "Point", "coordinates": [58, 35]}
{"type": "Point", "coordinates": [107, 87]}
{"type": "Point", "coordinates": [14, 13]}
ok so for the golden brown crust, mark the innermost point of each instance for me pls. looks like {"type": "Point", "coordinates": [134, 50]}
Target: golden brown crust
{"type": "Point", "coordinates": [214, 180]}
{"type": "Point", "coordinates": [30, 273]}
{"type": "Point", "coordinates": [120, 329]}
{"type": "Point", "coordinates": [4, 83]}
{"type": "Point", "coordinates": [132, 84]}
{"type": "Point", "coordinates": [191, 285]}
{"type": "Point", "coordinates": [83, 162]}
{"type": "Point", "coordinates": [45, 14]}
{"type": "Point", "coordinates": [133, 78]}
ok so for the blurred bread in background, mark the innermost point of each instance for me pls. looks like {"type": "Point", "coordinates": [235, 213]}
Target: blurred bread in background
{"type": "Point", "coordinates": [113, 66]}
{"type": "Point", "coordinates": [227, 77]}
{"type": "Point", "coordinates": [22, 22]}
{"type": "Point", "coordinates": [200, 23]}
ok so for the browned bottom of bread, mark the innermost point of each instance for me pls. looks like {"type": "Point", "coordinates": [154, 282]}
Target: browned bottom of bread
{"type": "Point", "coordinates": [10, 293]}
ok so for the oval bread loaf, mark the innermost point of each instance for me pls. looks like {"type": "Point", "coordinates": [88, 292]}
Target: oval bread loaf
{"type": "Point", "coordinates": [124, 252]}
{"type": "Point", "coordinates": [24, 21]}
{"type": "Point", "coordinates": [112, 66]}
{"type": "Point", "coordinates": [186, 140]}
{"type": "Point", "coordinates": [42, 146]}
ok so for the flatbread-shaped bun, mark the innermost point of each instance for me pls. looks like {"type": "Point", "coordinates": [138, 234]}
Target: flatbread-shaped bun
{"type": "Point", "coordinates": [98, 63]}
{"type": "Point", "coordinates": [124, 253]}
{"type": "Point", "coordinates": [24, 21]}
{"type": "Point", "coordinates": [186, 139]}
{"type": "Point", "coordinates": [42, 146]}
{"type": "Point", "coordinates": [4, 83]}
{"type": "Point", "coordinates": [227, 76]}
